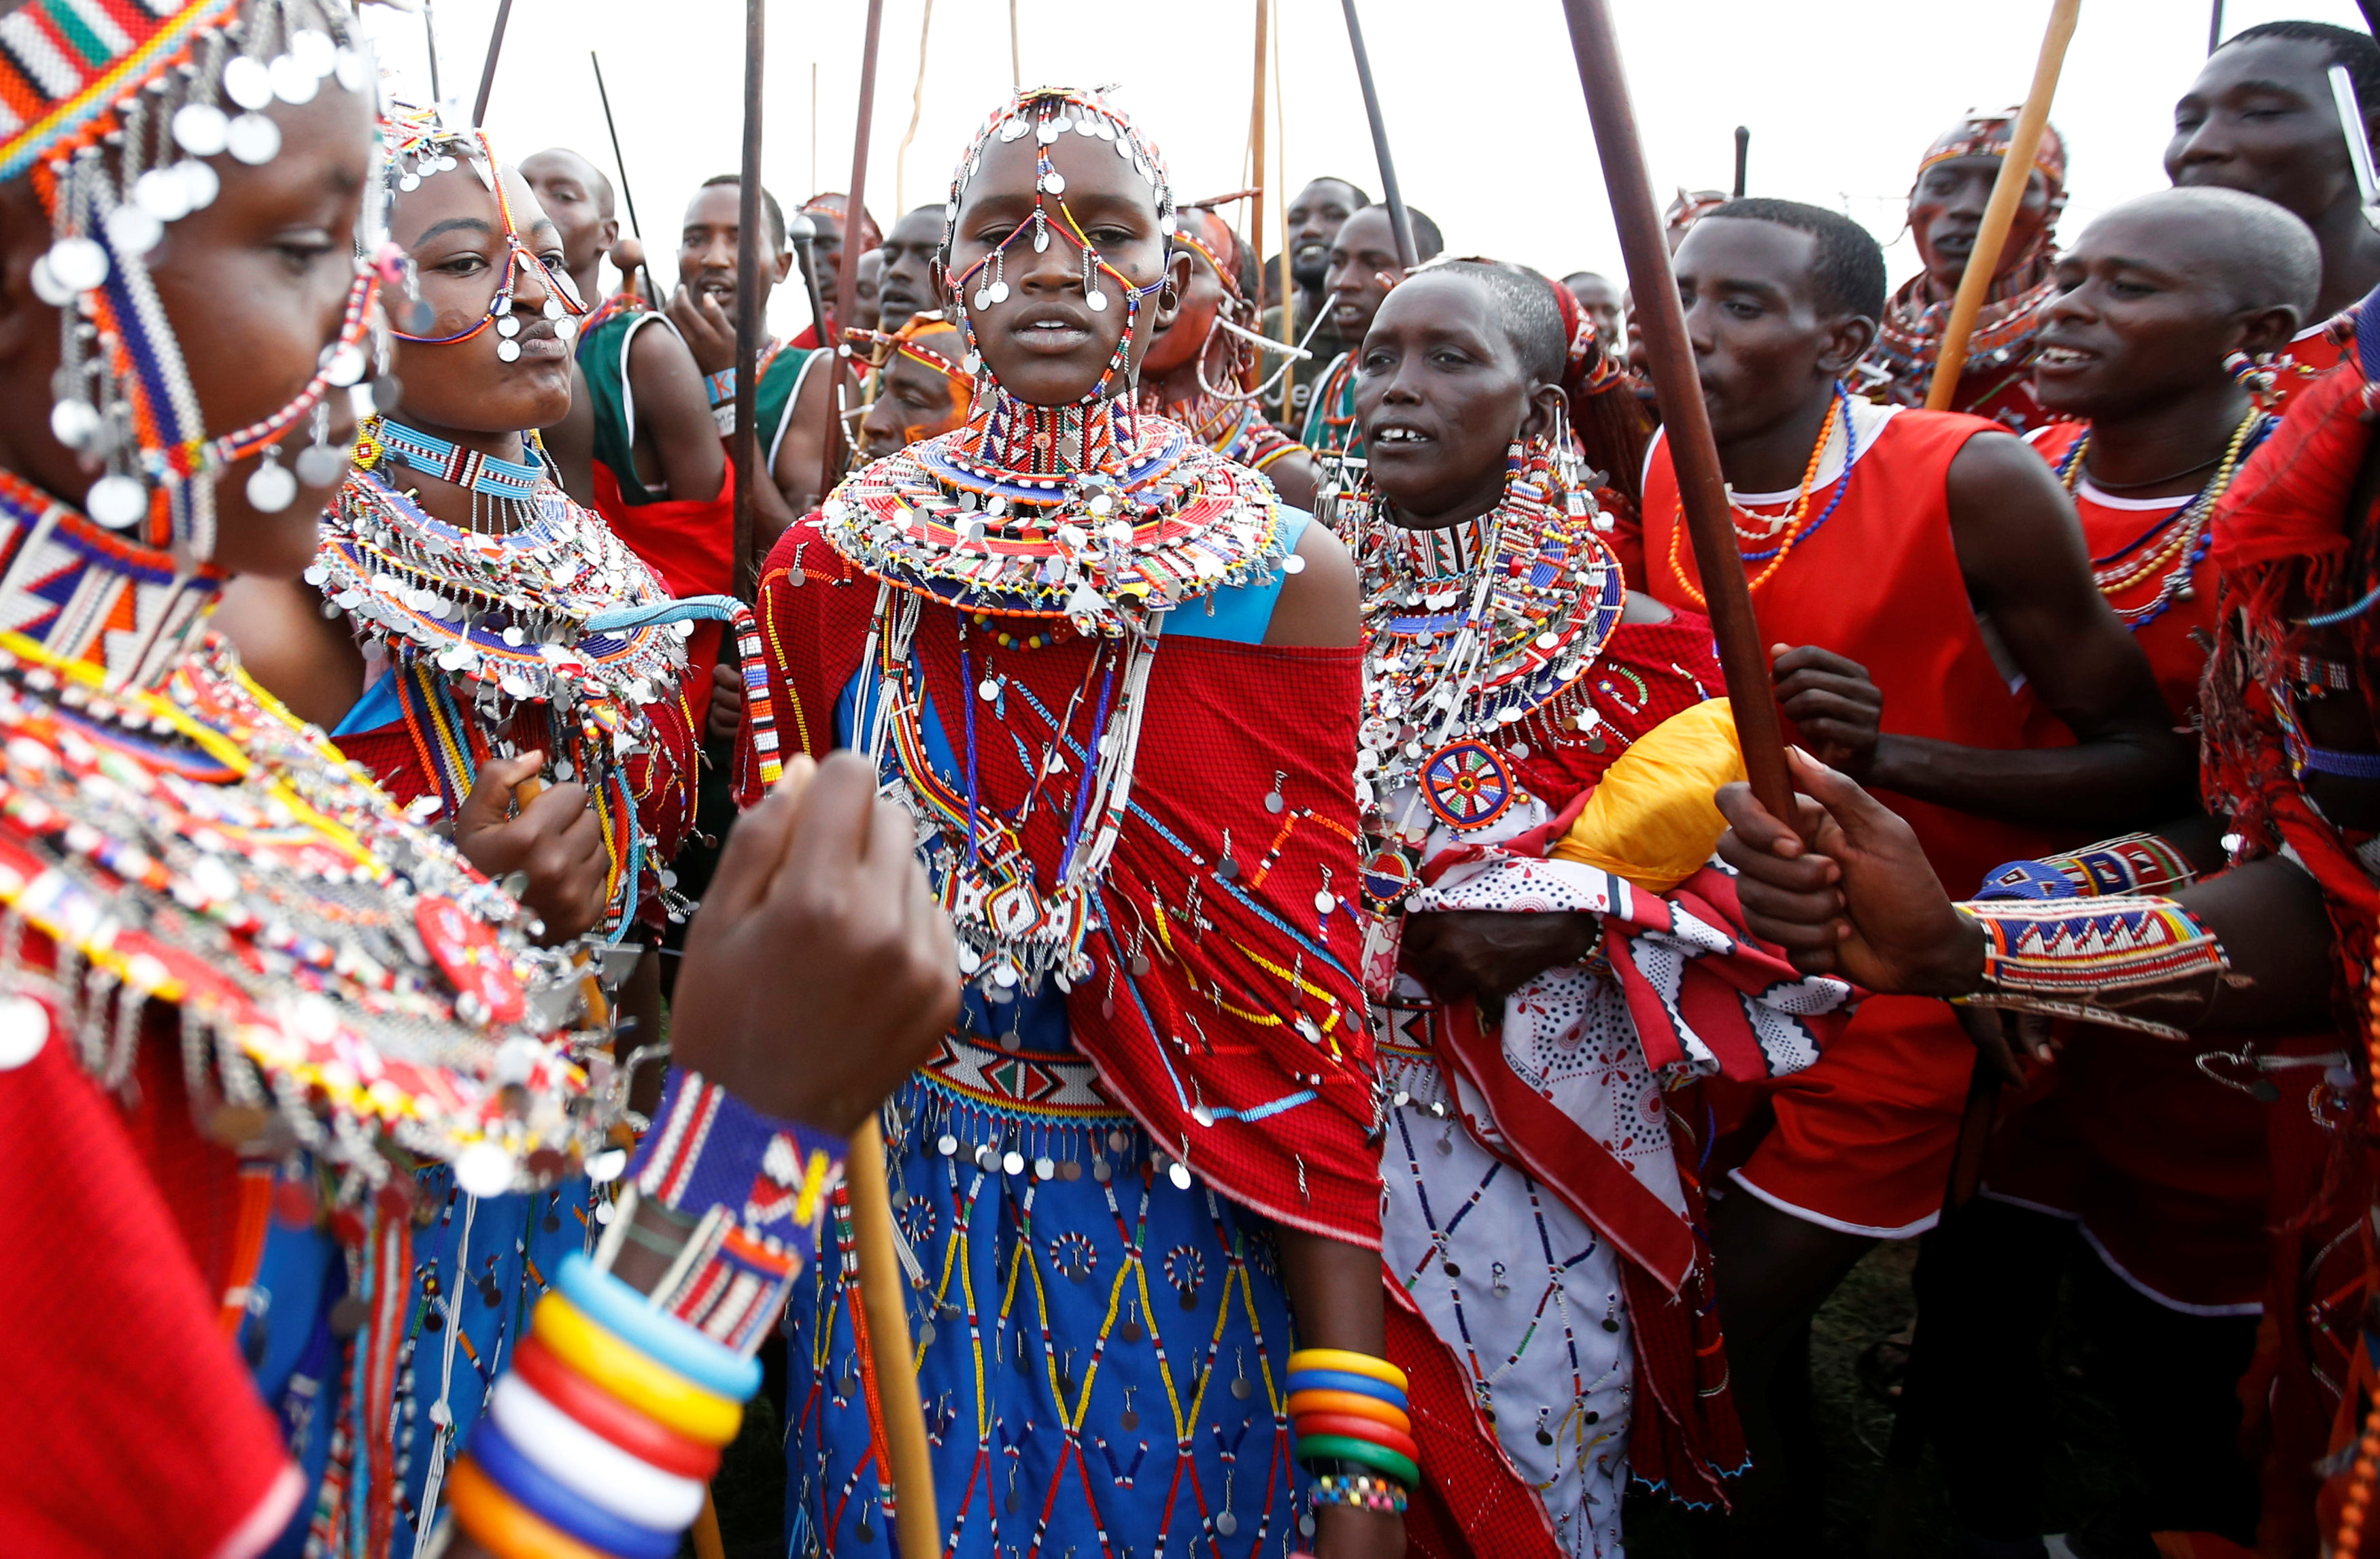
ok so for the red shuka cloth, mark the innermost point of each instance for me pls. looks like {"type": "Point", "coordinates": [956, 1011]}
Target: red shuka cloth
{"type": "Point", "coordinates": [690, 544]}
{"type": "Point", "coordinates": [1224, 725]}
{"type": "Point", "coordinates": [132, 1426]}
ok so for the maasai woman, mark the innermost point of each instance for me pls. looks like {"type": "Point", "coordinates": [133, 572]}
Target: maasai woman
{"type": "Point", "coordinates": [1202, 372]}
{"type": "Point", "coordinates": [239, 984]}
{"type": "Point", "coordinates": [1946, 205]}
{"type": "Point", "coordinates": [1542, 1232]}
{"type": "Point", "coordinates": [1115, 680]}
{"type": "Point", "coordinates": [466, 580]}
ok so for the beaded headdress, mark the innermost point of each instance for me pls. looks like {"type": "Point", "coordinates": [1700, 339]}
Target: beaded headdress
{"type": "Point", "coordinates": [1047, 112]}
{"type": "Point", "coordinates": [113, 109]}
{"type": "Point", "coordinates": [1987, 135]}
{"type": "Point", "coordinates": [419, 145]}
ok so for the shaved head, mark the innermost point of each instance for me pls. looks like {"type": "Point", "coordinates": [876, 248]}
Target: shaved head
{"type": "Point", "coordinates": [586, 173]}
{"type": "Point", "coordinates": [1522, 301]}
{"type": "Point", "coordinates": [2266, 256]}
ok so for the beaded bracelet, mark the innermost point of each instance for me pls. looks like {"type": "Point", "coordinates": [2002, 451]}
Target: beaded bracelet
{"type": "Point", "coordinates": [2112, 960]}
{"type": "Point", "coordinates": [1360, 1489]}
{"type": "Point", "coordinates": [1345, 1449]}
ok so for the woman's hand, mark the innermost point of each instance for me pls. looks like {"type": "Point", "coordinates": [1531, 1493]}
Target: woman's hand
{"type": "Point", "coordinates": [556, 840]}
{"type": "Point", "coordinates": [820, 970]}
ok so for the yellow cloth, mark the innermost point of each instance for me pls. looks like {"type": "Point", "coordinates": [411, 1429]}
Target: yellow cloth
{"type": "Point", "coordinates": [1652, 819]}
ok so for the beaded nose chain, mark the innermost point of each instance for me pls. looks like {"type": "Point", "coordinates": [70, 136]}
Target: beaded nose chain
{"type": "Point", "coordinates": [425, 151]}
{"type": "Point", "coordinates": [1004, 424]}
{"type": "Point", "coordinates": [112, 174]}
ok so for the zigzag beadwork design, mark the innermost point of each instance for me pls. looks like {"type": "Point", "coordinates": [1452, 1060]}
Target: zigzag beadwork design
{"type": "Point", "coordinates": [2114, 947]}
{"type": "Point", "coordinates": [87, 595]}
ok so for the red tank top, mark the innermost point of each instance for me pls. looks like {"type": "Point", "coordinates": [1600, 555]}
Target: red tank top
{"type": "Point", "coordinates": [2174, 636]}
{"type": "Point", "coordinates": [1880, 582]}
{"type": "Point", "coordinates": [2310, 354]}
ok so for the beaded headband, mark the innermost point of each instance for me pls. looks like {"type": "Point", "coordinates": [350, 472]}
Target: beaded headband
{"type": "Point", "coordinates": [1987, 135]}
{"type": "Point", "coordinates": [1047, 112]}
{"type": "Point", "coordinates": [113, 107]}
{"type": "Point", "coordinates": [420, 146]}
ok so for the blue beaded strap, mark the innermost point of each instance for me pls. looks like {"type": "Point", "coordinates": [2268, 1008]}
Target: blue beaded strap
{"type": "Point", "coordinates": [626, 1313]}
{"type": "Point", "coordinates": [518, 1473]}
{"type": "Point", "coordinates": [2345, 765]}
{"type": "Point", "coordinates": [686, 609]}
{"type": "Point", "coordinates": [2026, 879]}
{"type": "Point", "coordinates": [1345, 1379]}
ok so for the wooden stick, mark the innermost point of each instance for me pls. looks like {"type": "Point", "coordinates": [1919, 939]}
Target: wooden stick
{"type": "Point", "coordinates": [1257, 152]}
{"type": "Point", "coordinates": [1015, 57]}
{"type": "Point", "coordinates": [917, 1526]}
{"type": "Point", "coordinates": [1281, 208]}
{"type": "Point", "coordinates": [429, 39]}
{"type": "Point", "coordinates": [706, 1541]}
{"type": "Point", "coordinates": [488, 68]}
{"type": "Point", "coordinates": [916, 111]}
{"type": "Point", "coordinates": [1407, 257]}
{"type": "Point", "coordinates": [629, 196]}
{"type": "Point", "coordinates": [846, 286]}
{"type": "Point", "coordinates": [1661, 322]}
{"type": "Point", "coordinates": [743, 444]}
{"type": "Point", "coordinates": [2008, 193]}
{"type": "Point", "coordinates": [1743, 156]}
{"type": "Point", "coordinates": [2214, 29]}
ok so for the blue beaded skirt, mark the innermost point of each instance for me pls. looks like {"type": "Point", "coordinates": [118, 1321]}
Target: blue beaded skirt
{"type": "Point", "coordinates": [1102, 1339]}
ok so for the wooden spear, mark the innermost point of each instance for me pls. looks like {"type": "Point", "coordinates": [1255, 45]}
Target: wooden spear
{"type": "Point", "coordinates": [429, 42]}
{"type": "Point", "coordinates": [488, 68]}
{"type": "Point", "coordinates": [1407, 258]}
{"type": "Point", "coordinates": [636, 230]}
{"type": "Point", "coordinates": [742, 442]}
{"type": "Point", "coordinates": [846, 286]}
{"type": "Point", "coordinates": [1661, 322]}
{"type": "Point", "coordinates": [2008, 193]}
{"type": "Point", "coordinates": [1257, 153]}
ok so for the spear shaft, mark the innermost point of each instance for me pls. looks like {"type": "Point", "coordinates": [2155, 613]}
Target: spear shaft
{"type": "Point", "coordinates": [744, 441]}
{"type": "Point", "coordinates": [488, 66]}
{"type": "Point", "coordinates": [1407, 257]}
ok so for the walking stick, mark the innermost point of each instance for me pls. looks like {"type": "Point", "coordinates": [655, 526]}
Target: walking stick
{"type": "Point", "coordinates": [846, 286]}
{"type": "Point", "coordinates": [1743, 156]}
{"type": "Point", "coordinates": [488, 66]}
{"type": "Point", "coordinates": [916, 1528]}
{"type": "Point", "coordinates": [1406, 256]}
{"type": "Point", "coordinates": [629, 196]}
{"type": "Point", "coordinates": [742, 442]}
{"type": "Point", "coordinates": [916, 111]}
{"type": "Point", "coordinates": [1661, 322]}
{"type": "Point", "coordinates": [2008, 193]}
{"type": "Point", "coordinates": [1257, 153]}
{"type": "Point", "coordinates": [430, 45]}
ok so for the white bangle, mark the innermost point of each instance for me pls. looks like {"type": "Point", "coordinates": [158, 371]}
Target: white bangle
{"type": "Point", "coordinates": [590, 1465]}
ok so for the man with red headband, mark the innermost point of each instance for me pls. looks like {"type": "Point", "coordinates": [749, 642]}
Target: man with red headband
{"type": "Point", "coordinates": [921, 391]}
{"type": "Point", "coordinates": [1204, 374]}
{"type": "Point", "coordinates": [1946, 212]}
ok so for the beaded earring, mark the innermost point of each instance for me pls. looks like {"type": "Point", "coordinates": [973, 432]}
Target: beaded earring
{"type": "Point", "coordinates": [2254, 374]}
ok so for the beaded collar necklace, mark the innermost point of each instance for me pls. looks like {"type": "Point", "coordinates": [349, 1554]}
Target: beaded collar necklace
{"type": "Point", "coordinates": [511, 484]}
{"type": "Point", "coordinates": [2173, 546]}
{"type": "Point", "coordinates": [1786, 530]}
{"type": "Point", "coordinates": [93, 597]}
{"type": "Point", "coordinates": [1476, 635]}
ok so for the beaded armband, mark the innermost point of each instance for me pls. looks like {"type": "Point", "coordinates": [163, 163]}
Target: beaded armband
{"type": "Point", "coordinates": [2134, 962]}
{"type": "Point", "coordinates": [754, 1191]}
{"type": "Point", "coordinates": [1363, 1491]}
{"type": "Point", "coordinates": [719, 386]}
{"type": "Point", "coordinates": [2136, 863]}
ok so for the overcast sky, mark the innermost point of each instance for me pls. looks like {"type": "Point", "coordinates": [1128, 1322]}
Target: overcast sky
{"type": "Point", "coordinates": [1482, 98]}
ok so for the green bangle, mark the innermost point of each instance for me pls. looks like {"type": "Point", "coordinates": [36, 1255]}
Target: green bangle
{"type": "Point", "coordinates": [1347, 1448]}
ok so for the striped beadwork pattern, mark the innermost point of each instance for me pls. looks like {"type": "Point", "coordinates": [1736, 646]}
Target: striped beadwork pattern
{"type": "Point", "coordinates": [63, 62]}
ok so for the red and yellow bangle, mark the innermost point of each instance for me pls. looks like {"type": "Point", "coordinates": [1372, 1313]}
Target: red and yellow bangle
{"type": "Point", "coordinates": [1350, 1362]}
{"type": "Point", "coordinates": [629, 1374]}
{"type": "Point", "coordinates": [1346, 1448]}
{"type": "Point", "coordinates": [498, 1522]}
{"type": "Point", "coordinates": [647, 1439]}
{"type": "Point", "coordinates": [1347, 1402]}
{"type": "Point", "coordinates": [1359, 1429]}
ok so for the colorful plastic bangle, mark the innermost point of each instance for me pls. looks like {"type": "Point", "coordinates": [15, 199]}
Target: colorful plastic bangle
{"type": "Point", "coordinates": [643, 1438]}
{"type": "Point", "coordinates": [1360, 1428]}
{"type": "Point", "coordinates": [667, 1341]}
{"type": "Point", "coordinates": [1344, 1448]}
{"type": "Point", "coordinates": [498, 1522]}
{"type": "Point", "coordinates": [1347, 1402]}
{"type": "Point", "coordinates": [547, 1498]}
{"type": "Point", "coordinates": [652, 1390]}
{"type": "Point", "coordinates": [1355, 1363]}
{"type": "Point", "coordinates": [590, 1465]}
{"type": "Point", "coordinates": [1340, 1380]}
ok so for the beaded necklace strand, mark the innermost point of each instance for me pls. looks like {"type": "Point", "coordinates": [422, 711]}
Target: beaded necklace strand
{"type": "Point", "coordinates": [2175, 544]}
{"type": "Point", "coordinates": [1838, 413]}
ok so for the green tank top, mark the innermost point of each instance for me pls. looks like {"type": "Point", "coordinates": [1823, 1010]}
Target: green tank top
{"type": "Point", "coordinates": [772, 410]}
{"type": "Point", "coordinates": [603, 360]}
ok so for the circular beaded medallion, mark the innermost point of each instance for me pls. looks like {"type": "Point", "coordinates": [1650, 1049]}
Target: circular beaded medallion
{"type": "Point", "coordinates": [1465, 785]}
{"type": "Point", "coordinates": [1388, 877]}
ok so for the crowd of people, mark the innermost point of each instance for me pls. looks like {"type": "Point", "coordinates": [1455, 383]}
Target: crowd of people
{"type": "Point", "coordinates": [1224, 782]}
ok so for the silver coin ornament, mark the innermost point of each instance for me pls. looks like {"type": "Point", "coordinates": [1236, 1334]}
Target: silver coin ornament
{"type": "Point", "coordinates": [320, 464]}
{"type": "Point", "coordinates": [24, 1028]}
{"type": "Point", "coordinates": [117, 500]}
{"type": "Point", "coordinates": [508, 350]}
{"type": "Point", "coordinates": [201, 128]}
{"type": "Point", "coordinates": [75, 422]}
{"type": "Point", "coordinates": [508, 327]}
{"type": "Point", "coordinates": [133, 231]}
{"type": "Point", "coordinates": [248, 81]}
{"type": "Point", "coordinates": [270, 487]}
{"type": "Point", "coordinates": [77, 265]}
{"type": "Point", "coordinates": [255, 139]}
{"type": "Point", "coordinates": [292, 82]}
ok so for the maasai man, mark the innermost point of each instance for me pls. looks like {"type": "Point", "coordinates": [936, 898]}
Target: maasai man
{"type": "Point", "coordinates": [1363, 268]}
{"type": "Point", "coordinates": [864, 291]}
{"type": "Point", "coordinates": [1601, 301]}
{"type": "Point", "coordinates": [1551, 1289]}
{"type": "Point", "coordinates": [828, 219]}
{"type": "Point", "coordinates": [1314, 218]}
{"type": "Point", "coordinates": [1873, 536]}
{"type": "Point", "coordinates": [1149, 1136]}
{"type": "Point", "coordinates": [659, 474]}
{"type": "Point", "coordinates": [2158, 1165]}
{"type": "Point", "coordinates": [921, 391]}
{"type": "Point", "coordinates": [1203, 376]}
{"type": "Point", "coordinates": [908, 251]}
{"type": "Point", "coordinates": [2262, 118]}
{"type": "Point", "coordinates": [463, 580]}
{"type": "Point", "coordinates": [218, 926]}
{"type": "Point", "coordinates": [1946, 208]}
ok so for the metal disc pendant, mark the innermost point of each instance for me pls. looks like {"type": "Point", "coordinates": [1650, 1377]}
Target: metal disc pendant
{"type": "Point", "coordinates": [271, 488]}
{"type": "Point", "coordinates": [508, 351]}
{"type": "Point", "coordinates": [1099, 301]}
{"type": "Point", "coordinates": [320, 465]}
{"type": "Point", "coordinates": [508, 327]}
{"type": "Point", "coordinates": [1226, 1523]}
